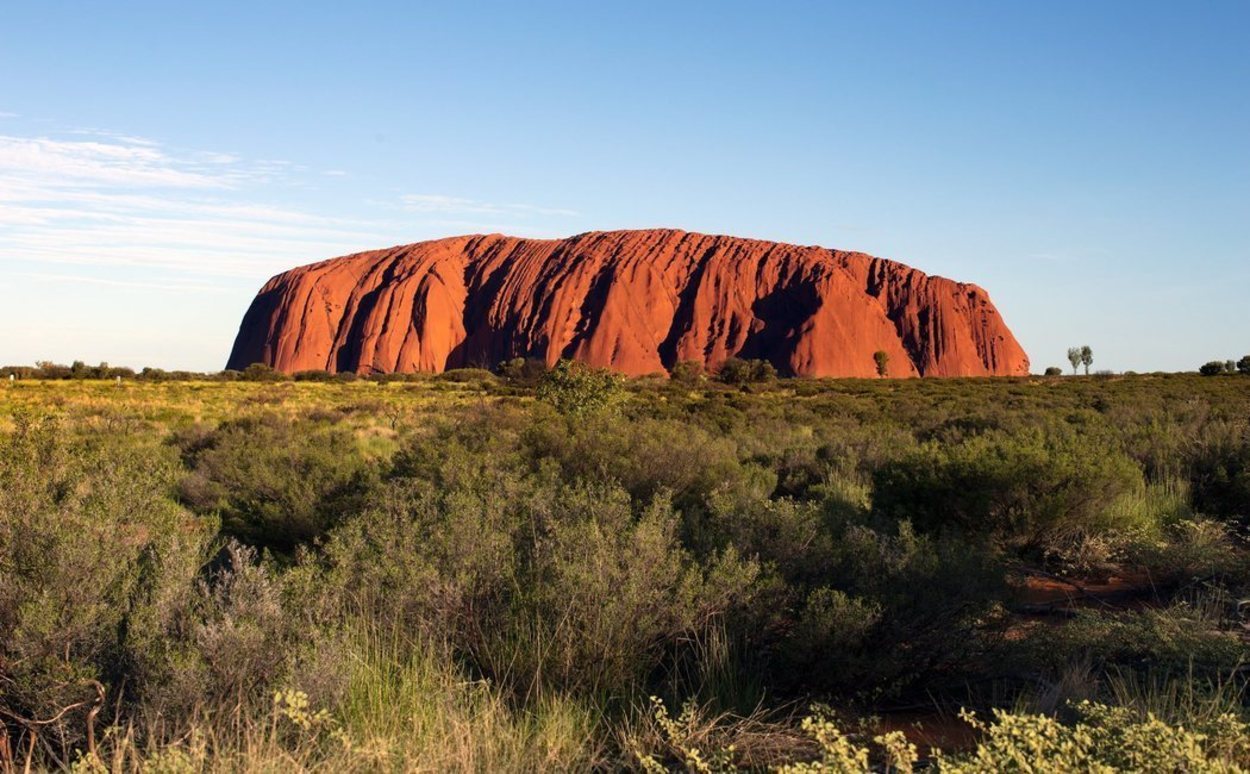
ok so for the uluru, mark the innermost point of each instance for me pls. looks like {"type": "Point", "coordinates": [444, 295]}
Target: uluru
{"type": "Point", "coordinates": [636, 302]}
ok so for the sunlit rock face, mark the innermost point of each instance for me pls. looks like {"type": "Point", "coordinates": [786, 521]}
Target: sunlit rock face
{"type": "Point", "coordinates": [633, 301]}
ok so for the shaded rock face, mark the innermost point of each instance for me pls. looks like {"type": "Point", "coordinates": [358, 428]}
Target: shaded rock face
{"type": "Point", "coordinates": [633, 301]}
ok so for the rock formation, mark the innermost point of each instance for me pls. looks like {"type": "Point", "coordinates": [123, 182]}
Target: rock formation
{"type": "Point", "coordinates": [633, 301]}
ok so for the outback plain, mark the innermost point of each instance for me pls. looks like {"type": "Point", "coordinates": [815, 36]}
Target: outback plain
{"type": "Point", "coordinates": [566, 569]}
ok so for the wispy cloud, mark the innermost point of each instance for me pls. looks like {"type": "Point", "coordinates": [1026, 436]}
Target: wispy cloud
{"type": "Point", "coordinates": [436, 203]}
{"type": "Point", "coordinates": [91, 198]}
{"type": "Point", "coordinates": [176, 287]}
{"type": "Point", "coordinates": [125, 201]}
{"type": "Point", "coordinates": [59, 163]}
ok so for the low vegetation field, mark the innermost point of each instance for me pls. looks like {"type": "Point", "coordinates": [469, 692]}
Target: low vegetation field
{"type": "Point", "coordinates": [569, 571]}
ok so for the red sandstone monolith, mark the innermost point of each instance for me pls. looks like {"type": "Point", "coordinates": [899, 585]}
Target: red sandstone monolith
{"type": "Point", "coordinates": [633, 301]}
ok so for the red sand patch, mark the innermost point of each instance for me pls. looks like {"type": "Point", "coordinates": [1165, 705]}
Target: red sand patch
{"type": "Point", "coordinates": [931, 731]}
{"type": "Point", "coordinates": [1115, 591]}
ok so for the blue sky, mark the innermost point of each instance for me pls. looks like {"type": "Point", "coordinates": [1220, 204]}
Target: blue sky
{"type": "Point", "coordinates": [1086, 162]}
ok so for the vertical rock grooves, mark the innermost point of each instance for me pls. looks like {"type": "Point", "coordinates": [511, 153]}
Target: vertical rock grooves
{"type": "Point", "coordinates": [633, 301]}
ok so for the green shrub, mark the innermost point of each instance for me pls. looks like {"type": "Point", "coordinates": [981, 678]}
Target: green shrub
{"type": "Point", "coordinates": [227, 639]}
{"type": "Point", "coordinates": [525, 371]}
{"type": "Point", "coordinates": [573, 388]}
{"type": "Point", "coordinates": [435, 560]}
{"type": "Point", "coordinates": [273, 481]}
{"type": "Point", "coordinates": [1180, 639]}
{"type": "Point", "coordinates": [833, 637]}
{"type": "Point", "coordinates": [536, 584]}
{"type": "Point", "coordinates": [936, 597]}
{"type": "Point", "coordinates": [687, 372]}
{"type": "Point", "coordinates": [313, 376]}
{"type": "Point", "coordinates": [467, 376]}
{"type": "Point", "coordinates": [1026, 491]}
{"type": "Point", "coordinates": [610, 595]}
{"type": "Point", "coordinates": [1190, 551]}
{"type": "Point", "coordinates": [89, 544]}
{"type": "Point", "coordinates": [789, 536]}
{"type": "Point", "coordinates": [645, 456]}
{"type": "Point", "coordinates": [1220, 471]}
{"type": "Point", "coordinates": [259, 372]}
{"type": "Point", "coordinates": [737, 371]}
{"type": "Point", "coordinates": [1105, 739]}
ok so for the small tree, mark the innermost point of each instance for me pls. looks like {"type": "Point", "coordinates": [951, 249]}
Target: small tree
{"type": "Point", "coordinates": [1054, 371]}
{"type": "Point", "coordinates": [313, 375]}
{"type": "Point", "coordinates": [576, 388]}
{"type": "Point", "coordinates": [882, 359]}
{"type": "Point", "coordinates": [686, 372]}
{"type": "Point", "coordinates": [1074, 357]}
{"type": "Point", "coordinates": [523, 370]}
{"type": "Point", "coordinates": [260, 372]}
{"type": "Point", "coordinates": [738, 371]}
{"type": "Point", "coordinates": [1243, 365]}
{"type": "Point", "coordinates": [1087, 358]}
{"type": "Point", "coordinates": [763, 371]}
{"type": "Point", "coordinates": [1212, 368]}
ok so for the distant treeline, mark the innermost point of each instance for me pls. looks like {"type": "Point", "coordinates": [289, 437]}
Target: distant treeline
{"type": "Point", "coordinates": [526, 371]}
{"type": "Point", "coordinates": [257, 372]}
{"type": "Point", "coordinates": [522, 371]}
{"type": "Point", "coordinates": [1217, 367]}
